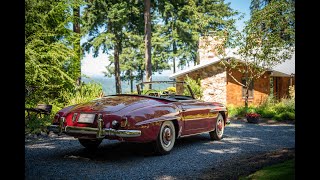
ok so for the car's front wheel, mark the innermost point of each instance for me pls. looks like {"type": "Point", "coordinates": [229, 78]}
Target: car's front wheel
{"type": "Point", "coordinates": [218, 132]}
{"type": "Point", "coordinates": [90, 143]}
{"type": "Point", "coordinates": [166, 138]}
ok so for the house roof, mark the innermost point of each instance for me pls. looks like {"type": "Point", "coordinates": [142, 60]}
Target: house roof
{"type": "Point", "coordinates": [229, 53]}
{"type": "Point", "coordinates": [286, 68]}
{"type": "Point", "coordinates": [196, 67]}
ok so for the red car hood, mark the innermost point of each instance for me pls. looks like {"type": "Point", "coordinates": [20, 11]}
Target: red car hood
{"type": "Point", "coordinates": [111, 104]}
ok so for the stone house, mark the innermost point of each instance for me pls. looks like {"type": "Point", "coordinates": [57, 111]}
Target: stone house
{"type": "Point", "coordinates": [219, 86]}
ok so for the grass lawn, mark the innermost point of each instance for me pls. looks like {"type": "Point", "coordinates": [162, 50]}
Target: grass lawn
{"type": "Point", "coordinates": [283, 171]}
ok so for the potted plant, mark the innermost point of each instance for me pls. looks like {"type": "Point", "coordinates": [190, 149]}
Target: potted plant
{"type": "Point", "coordinates": [252, 117]}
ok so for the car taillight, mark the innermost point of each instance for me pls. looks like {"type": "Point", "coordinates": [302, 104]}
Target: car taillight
{"type": "Point", "coordinates": [74, 117]}
{"type": "Point", "coordinates": [124, 122]}
{"type": "Point", "coordinates": [56, 118]}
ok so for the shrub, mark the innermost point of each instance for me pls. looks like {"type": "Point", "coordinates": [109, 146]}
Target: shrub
{"type": "Point", "coordinates": [36, 125]}
{"type": "Point", "coordinates": [67, 97]}
{"type": "Point", "coordinates": [232, 111]}
{"type": "Point", "coordinates": [268, 113]}
{"type": "Point", "coordinates": [285, 116]}
{"type": "Point", "coordinates": [238, 111]}
{"type": "Point", "coordinates": [171, 89]}
{"type": "Point", "coordinates": [283, 110]}
{"type": "Point", "coordinates": [286, 105]}
{"type": "Point", "coordinates": [85, 93]}
{"type": "Point", "coordinates": [195, 87]}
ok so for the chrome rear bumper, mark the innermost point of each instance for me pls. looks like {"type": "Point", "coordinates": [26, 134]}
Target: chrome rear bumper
{"type": "Point", "coordinates": [99, 131]}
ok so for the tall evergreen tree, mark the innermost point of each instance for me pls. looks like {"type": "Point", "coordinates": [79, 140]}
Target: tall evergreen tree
{"type": "Point", "coordinates": [50, 65]}
{"type": "Point", "coordinates": [147, 39]}
{"type": "Point", "coordinates": [110, 25]}
{"type": "Point", "coordinates": [187, 21]}
{"type": "Point", "coordinates": [76, 29]}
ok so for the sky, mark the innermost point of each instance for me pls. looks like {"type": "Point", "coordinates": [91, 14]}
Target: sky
{"type": "Point", "coordinates": [94, 67]}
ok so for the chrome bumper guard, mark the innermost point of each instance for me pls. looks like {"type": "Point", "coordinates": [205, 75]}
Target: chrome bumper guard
{"type": "Point", "coordinates": [99, 131]}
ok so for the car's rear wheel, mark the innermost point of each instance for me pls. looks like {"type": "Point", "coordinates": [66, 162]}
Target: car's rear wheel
{"type": "Point", "coordinates": [90, 143]}
{"type": "Point", "coordinates": [166, 138]}
{"type": "Point", "coordinates": [219, 129]}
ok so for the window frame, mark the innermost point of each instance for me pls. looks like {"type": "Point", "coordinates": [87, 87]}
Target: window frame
{"type": "Point", "coordinates": [251, 89]}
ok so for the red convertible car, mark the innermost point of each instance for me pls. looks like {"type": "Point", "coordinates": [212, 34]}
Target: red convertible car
{"type": "Point", "coordinates": [158, 116]}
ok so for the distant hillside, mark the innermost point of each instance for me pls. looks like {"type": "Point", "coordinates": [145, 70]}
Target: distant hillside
{"type": "Point", "coordinates": [108, 84]}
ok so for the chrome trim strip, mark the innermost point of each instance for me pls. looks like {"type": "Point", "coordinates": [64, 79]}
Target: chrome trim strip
{"type": "Point", "coordinates": [61, 125]}
{"type": "Point", "coordinates": [218, 109]}
{"type": "Point", "coordinates": [101, 133]}
{"type": "Point", "coordinates": [100, 125]}
{"type": "Point", "coordinates": [160, 119]}
{"type": "Point", "coordinates": [194, 134]}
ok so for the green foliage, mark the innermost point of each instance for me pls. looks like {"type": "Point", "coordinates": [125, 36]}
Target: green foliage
{"type": "Point", "coordinates": [284, 116]}
{"type": "Point", "coordinates": [51, 63]}
{"type": "Point", "coordinates": [117, 27]}
{"type": "Point", "coordinates": [195, 87]}
{"type": "Point", "coordinates": [85, 93]}
{"type": "Point", "coordinates": [171, 89]}
{"type": "Point", "coordinates": [186, 21]}
{"type": "Point", "coordinates": [36, 125]}
{"type": "Point", "coordinates": [282, 110]}
{"type": "Point", "coordinates": [239, 111]}
{"type": "Point", "coordinates": [267, 113]}
{"type": "Point", "coordinates": [267, 39]}
{"type": "Point", "coordinates": [285, 171]}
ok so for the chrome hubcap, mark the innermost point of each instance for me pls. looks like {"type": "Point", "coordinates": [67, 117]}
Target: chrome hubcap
{"type": "Point", "coordinates": [220, 127]}
{"type": "Point", "coordinates": [167, 136]}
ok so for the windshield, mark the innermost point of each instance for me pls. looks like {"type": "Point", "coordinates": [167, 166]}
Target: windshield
{"type": "Point", "coordinates": [166, 89]}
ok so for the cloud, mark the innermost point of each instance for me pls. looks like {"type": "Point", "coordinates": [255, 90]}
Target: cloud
{"type": "Point", "coordinates": [91, 66]}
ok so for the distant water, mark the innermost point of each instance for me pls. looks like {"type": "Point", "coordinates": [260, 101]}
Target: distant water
{"type": "Point", "coordinates": [108, 84]}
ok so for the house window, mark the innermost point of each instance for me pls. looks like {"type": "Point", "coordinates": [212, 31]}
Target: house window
{"type": "Point", "coordinates": [244, 89]}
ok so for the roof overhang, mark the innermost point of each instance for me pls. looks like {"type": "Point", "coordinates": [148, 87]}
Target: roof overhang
{"type": "Point", "coordinates": [275, 73]}
{"type": "Point", "coordinates": [196, 67]}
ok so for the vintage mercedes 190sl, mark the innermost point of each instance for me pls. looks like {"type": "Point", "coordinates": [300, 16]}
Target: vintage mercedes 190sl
{"type": "Point", "coordinates": [157, 116]}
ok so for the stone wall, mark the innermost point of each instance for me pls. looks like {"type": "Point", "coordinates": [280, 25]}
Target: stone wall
{"type": "Point", "coordinates": [220, 87]}
{"type": "Point", "coordinates": [213, 82]}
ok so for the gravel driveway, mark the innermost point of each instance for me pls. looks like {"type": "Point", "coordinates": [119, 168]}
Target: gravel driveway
{"type": "Point", "coordinates": [64, 158]}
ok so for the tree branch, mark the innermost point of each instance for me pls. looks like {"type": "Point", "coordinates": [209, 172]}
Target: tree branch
{"type": "Point", "coordinates": [230, 74]}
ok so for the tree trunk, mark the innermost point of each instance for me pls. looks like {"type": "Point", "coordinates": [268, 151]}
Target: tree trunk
{"type": "Point", "coordinates": [147, 41]}
{"type": "Point", "coordinates": [131, 81]}
{"type": "Point", "coordinates": [76, 29]}
{"type": "Point", "coordinates": [117, 69]}
{"type": "Point", "coordinates": [246, 99]}
{"type": "Point", "coordinates": [174, 58]}
{"type": "Point", "coordinates": [247, 89]}
{"type": "Point", "coordinates": [141, 77]}
{"type": "Point", "coordinates": [196, 60]}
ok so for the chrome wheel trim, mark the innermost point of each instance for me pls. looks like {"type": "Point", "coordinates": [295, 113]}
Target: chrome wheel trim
{"type": "Point", "coordinates": [167, 136]}
{"type": "Point", "coordinates": [220, 127]}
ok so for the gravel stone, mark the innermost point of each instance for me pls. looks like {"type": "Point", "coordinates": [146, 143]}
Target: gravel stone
{"type": "Point", "coordinates": [62, 157]}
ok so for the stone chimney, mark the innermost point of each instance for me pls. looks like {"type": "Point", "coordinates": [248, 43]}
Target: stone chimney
{"type": "Point", "coordinates": [208, 48]}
